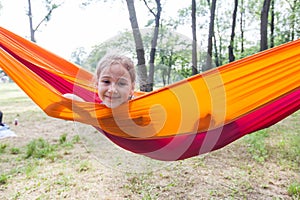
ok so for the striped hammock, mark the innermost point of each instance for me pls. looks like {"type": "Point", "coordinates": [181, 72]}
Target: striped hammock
{"type": "Point", "coordinates": [191, 117]}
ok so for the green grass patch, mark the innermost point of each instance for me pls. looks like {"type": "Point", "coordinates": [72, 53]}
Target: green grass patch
{"type": "Point", "coordinates": [288, 149]}
{"type": "Point", "coordinates": [63, 138]}
{"type": "Point", "coordinates": [39, 148]}
{"type": "Point", "coordinates": [31, 155]}
{"type": "Point", "coordinates": [76, 139]}
{"type": "Point", "coordinates": [3, 179]}
{"type": "Point", "coordinates": [294, 190]}
{"type": "Point", "coordinates": [15, 150]}
{"type": "Point", "coordinates": [256, 145]}
{"type": "Point", "coordinates": [84, 166]}
{"type": "Point", "coordinates": [2, 148]}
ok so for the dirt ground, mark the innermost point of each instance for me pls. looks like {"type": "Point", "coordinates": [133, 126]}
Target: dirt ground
{"type": "Point", "coordinates": [94, 168]}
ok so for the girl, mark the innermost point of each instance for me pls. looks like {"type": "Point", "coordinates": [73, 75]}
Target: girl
{"type": "Point", "coordinates": [115, 80]}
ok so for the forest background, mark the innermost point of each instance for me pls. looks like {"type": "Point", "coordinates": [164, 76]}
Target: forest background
{"type": "Point", "coordinates": [263, 165]}
{"type": "Point", "coordinates": [167, 47]}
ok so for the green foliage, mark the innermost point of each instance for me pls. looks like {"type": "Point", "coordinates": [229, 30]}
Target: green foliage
{"type": "Point", "coordinates": [173, 58]}
{"type": "Point", "coordinates": [78, 56]}
{"type": "Point", "coordinates": [173, 53]}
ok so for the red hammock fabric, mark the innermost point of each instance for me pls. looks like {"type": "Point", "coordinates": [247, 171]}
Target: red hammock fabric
{"type": "Point", "coordinates": [194, 116]}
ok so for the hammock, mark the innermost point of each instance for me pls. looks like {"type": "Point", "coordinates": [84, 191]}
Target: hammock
{"type": "Point", "coordinates": [197, 115]}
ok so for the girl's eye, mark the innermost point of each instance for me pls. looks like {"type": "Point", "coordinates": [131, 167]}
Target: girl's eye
{"type": "Point", "coordinates": [122, 83]}
{"type": "Point", "coordinates": [105, 81]}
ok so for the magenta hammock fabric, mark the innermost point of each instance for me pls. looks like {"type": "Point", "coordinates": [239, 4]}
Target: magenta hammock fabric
{"type": "Point", "coordinates": [260, 91]}
{"type": "Point", "coordinates": [200, 143]}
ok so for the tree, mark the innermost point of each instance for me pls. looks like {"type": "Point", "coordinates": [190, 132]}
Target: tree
{"type": "Point", "coordinates": [223, 39]}
{"type": "Point", "coordinates": [145, 79]}
{"type": "Point", "coordinates": [194, 45]}
{"type": "Point", "coordinates": [230, 47]}
{"type": "Point", "coordinates": [156, 15]}
{"type": "Point", "coordinates": [50, 7]}
{"type": "Point", "coordinates": [78, 56]}
{"type": "Point", "coordinates": [264, 25]}
{"type": "Point", "coordinates": [210, 35]}
{"type": "Point", "coordinates": [272, 23]}
{"type": "Point", "coordinates": [294, 7]}
{"type": "Point", "coordinates": [173, 57]}
{"type": "Point", "coordinates": [242, 13]}
{"type": "Point", "coordinates": [140, 52]}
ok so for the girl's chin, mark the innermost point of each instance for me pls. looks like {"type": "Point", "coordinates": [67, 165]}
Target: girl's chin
{"type": "Point", "coordinates": [111, 104]}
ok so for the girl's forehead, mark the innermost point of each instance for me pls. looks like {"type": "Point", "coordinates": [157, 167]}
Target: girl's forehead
{"type": "Point", "coordinates": [115, 71]}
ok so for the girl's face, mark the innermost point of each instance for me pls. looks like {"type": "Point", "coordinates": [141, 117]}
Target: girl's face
{"type": "Point", "coordinates": [115, 86]}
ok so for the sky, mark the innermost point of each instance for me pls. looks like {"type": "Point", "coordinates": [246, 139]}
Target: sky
{"type": "Point", "coordinates": [72, 26]}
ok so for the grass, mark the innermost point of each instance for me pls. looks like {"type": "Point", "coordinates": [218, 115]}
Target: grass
{"type": "Point", "coordinates": [39, 148]}
{"type": "Point", "coordinates": [36, 150]}
{"type": "Point", "coordinates": [3, 179]}
{"type": "Point", "coordinates": [2, 148]}
{"type": "Point", "coordinates": [47, 161]}
{"type": "Point", "coordinates": [15, 150]}
{"type": "Point", "coordinates": [256, 145]}
{"type": "Point", "coordinates": [294, 190]}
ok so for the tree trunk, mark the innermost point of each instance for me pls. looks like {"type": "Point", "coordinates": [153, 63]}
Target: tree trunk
{"type": "Point", "coordinates": [150, 82]}
{"type": "Point", "coordinates": [230, 47]}
{"type": "Point", "coordinates": [216, 54]}
{"type": "Point", "coordinates": [164, 75]}
{"type": "Point", "coordinates": [210, 36]}
{"type": "Point", "coordinates": [141, 67]}
{"type": "Point", "coordinates": [32, 38]}
{"type": "Point", "coordinates": [242, 26]}
{"type": "Point", "coordinates": [272, 25]}
{"type": "Point", "coordinates": [194, 45]}
{"type": "Point", "coordinates": [294, 19]}
{"type": "Point", "coordinates": [264, 25]}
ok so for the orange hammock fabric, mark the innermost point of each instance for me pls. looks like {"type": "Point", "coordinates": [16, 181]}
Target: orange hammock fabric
{"type": "Point", "coordinates": [194, 116]}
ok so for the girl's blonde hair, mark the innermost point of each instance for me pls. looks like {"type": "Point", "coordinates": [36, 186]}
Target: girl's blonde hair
{"type": "Point", "coordinates": [114, 58]}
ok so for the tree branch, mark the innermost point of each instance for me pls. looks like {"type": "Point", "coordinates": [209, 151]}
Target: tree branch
{"type": "Point", "coordinates": [46, 17]}
{"type": "Point", "coordinates": [151, 10]}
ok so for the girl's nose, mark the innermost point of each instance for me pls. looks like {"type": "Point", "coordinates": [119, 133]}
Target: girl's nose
{"type": "Point", "coordinates": [112, 89]}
